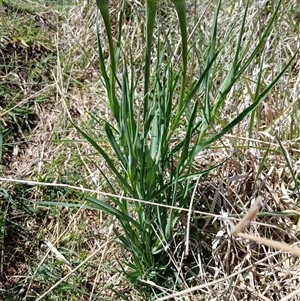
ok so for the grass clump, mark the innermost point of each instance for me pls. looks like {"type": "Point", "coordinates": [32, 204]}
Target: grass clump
{"type": "Point", "coordinates": [149, 166]}
{"type": "Point", "coordinates": [184, 124]}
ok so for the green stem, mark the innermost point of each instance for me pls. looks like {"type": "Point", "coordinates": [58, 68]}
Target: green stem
{"type": "Point", "coordinates": [104, 10]}
{"type": "Point", "coordinates": [180, 7]}
{"type": "Point", "coordinates": [150, 20]}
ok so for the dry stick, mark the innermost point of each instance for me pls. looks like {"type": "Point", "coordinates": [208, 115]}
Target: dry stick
{"type": "Point", "coordinates": [82, 189]}
{"type": "Point", "coordinates": [188, 224]}
{"type": "Point", "coordinates": [291, 295]}
{"type": "Point", "coordinates": [28, 182]}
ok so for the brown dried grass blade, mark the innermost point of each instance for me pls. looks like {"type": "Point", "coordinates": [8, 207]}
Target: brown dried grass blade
{"type": "Point", "coordinates": [249, 217]}
{"type": "Point", "coordinates": [272, 243]}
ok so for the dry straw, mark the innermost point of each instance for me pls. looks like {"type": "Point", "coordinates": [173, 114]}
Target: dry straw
{"type": "Point", "coordinates": [246, 221]}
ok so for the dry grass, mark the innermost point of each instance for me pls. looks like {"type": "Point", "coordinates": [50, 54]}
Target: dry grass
{"type": "Point", "coordinates": [43, 146]}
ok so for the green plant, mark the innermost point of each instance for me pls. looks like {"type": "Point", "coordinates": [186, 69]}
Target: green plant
{"type": "Point", "coordinates": [150, 166]}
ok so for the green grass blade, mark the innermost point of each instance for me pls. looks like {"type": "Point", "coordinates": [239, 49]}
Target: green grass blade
{"type": "Point", "coordinates": [187, 140]}
{"type": "Point", "coordinates": [115, 146]}
{"type": "Point", "coordinates": [107, 159]}
{"type": "Point", "coordinates": [211, 53]}
{"type": "Point", "coordinates": [263, 160]}
{"type": "Point", "coordinates": [150, 21]}
{"type": "Point", "coordinates": [180, 7]}
{"type": "Point", "coordinates": [102, 60]}
{"type": "Point", "coordinates": [103, 6]}
{"type": "Point", "coordinates": [100, 205]}
{"type": "Point", "coordinates": [120, 23]}
{"type": "Point", "coordinates": [128, 127]}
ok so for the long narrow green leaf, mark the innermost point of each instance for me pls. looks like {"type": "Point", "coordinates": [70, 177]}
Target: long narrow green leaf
{"type": "Point", "coordinates": [114, 145]}
{"type": "Point", "coordinates": [120, 23]}
{"type": "Point", "coordinates": [150, 21]}
{"type": "Point", "coordinates": [101, 60]}
{"type": "Point", "coordinates": [104, 10]}
{"type": "Point", "coordinates": [263, 161]}
{"type": "Point", "coordinates": [113, 211]}
{"type": "Point", "coordinates": [127, 126]}
{"type": "Point", "coordinates": [107, 159]}
{"type": "Point", "coordinates": [151, 6]}
{"type": "Point", "coordinates": [211, 53]}
{"type": "Point", "coordinates": [180, 7]}
{"type": "Point", "coordinates": [187, 140]}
